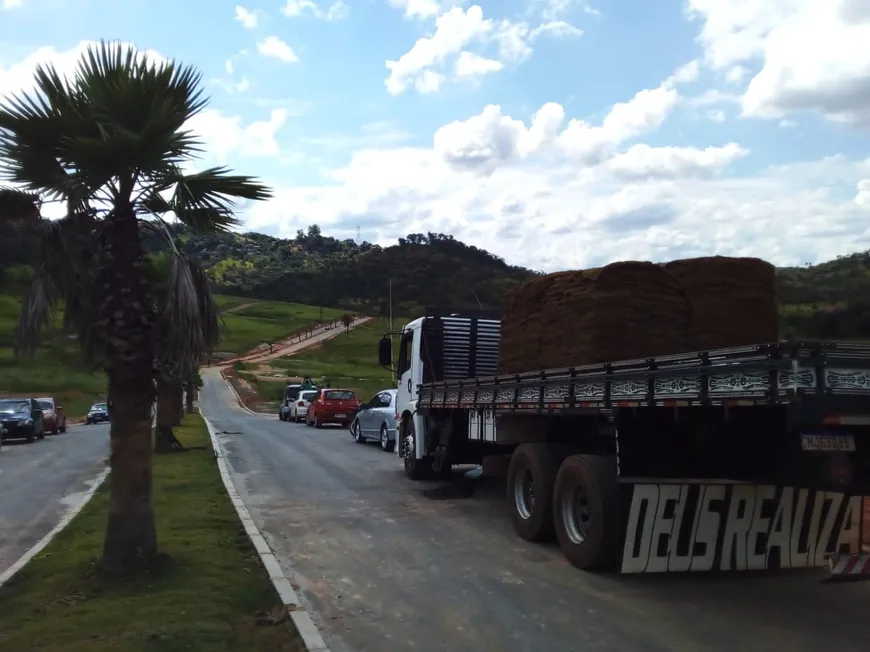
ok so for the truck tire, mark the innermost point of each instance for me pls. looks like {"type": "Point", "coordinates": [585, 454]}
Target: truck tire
{"type": "Point", "coordinates": [414, 468]}
{"type": "Point", "coordinates": [531, 477]}
{"type": "Point", "coordinates": [586, 511]}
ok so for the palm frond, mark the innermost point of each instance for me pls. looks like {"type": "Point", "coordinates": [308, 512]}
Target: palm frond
{"type": "Point", "coordinates": [19, 206]}
{"type": "Point", "coordinates": [37, 312]}
{"type": "Point", "coordinates": [183, 312]}
{"type": "Point", "coordinates": [209, 313]}
{"type": "Point", "coordinates": [204, 200]}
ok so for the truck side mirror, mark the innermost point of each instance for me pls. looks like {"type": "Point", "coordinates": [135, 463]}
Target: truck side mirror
{"type": "Point", "coordinates": [385, 352]}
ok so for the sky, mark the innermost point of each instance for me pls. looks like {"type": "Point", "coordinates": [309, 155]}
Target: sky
{"type": "Point", "coordinates": [557, 134]}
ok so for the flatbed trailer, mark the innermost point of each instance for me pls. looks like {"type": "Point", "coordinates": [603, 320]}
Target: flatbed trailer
{"type": "Point", "coordinates": [748, 458]}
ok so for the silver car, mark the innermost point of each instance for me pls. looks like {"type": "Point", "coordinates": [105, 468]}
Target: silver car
{"type": "Point", "coordinates": [376, 420]}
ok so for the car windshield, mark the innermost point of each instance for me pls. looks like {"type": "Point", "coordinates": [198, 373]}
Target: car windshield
{"type": "Point", "coordinates": [98, 406]}
{"type": "Point", "coordinates": [46, 405]}
{"type": "Point", "coordinates": [14, 406]}
{"type": "Point", "coordinates": [292, 391]}
{"type": "Point", "coordinates": [339, 395]}
{"type": "Point", "coordinates": [307, 396]}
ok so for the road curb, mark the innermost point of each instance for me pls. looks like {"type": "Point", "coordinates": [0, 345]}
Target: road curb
{"type": "Point", "coordinates": [71, 513]}
{"type": "Point", "coordinates": [239, 398]}
{"type": "Point", "coordinates": [311, 636]}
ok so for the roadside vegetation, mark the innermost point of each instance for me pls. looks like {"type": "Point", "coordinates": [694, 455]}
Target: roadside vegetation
{"type": "Point", "coordinates": [349, 361]}
{"type": "Point", "coordinates": [57, 368]}
{"type": "Point", "coordinates": [249, 323]}
{"type": "Point", "coordinates": [208, 592]}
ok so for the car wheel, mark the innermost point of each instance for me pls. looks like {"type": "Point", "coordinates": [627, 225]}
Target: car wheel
{"type": "Point", "coordinates": [308, 421]}
{"type": "Point", "coordinates": [63, 427]}
{"type": "Point", "coordinates": [317, 422]}
{"type": "Point", "coordinates": [356, 433]}
{"type": "Point", "coordinates": [386, 444]}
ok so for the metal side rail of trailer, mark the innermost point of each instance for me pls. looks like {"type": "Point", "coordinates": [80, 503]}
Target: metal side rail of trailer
{"type": "Point", "coordinates": [779, 373]}
{"type": "Point", "coordinates": [766, 468]}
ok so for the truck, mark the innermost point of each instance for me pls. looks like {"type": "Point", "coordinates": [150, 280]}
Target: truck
{"type": "Point", "coordinates": [747, 458]}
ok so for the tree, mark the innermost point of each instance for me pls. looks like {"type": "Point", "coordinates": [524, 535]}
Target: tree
{"type": "Point", "coordinates": [112, 144]}
{"type": "Point", "coordinates": [347, 320]}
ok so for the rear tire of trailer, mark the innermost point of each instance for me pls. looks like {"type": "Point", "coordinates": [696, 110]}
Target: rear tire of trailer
{"type": "Point", "coordinates": [586, 511]}
{"type": "Point", "coordinates": [530, 481]}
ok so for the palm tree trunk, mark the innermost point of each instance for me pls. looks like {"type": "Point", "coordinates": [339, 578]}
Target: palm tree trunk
{"type": "Point", "coordinates": [178, 404]}
{"type": "Point", "coordinates": [131, 537]}
{"type": "Point", "coordinates": [126, 316]}
{"type": "Point", "coordinates": [165, 440]}
{"type": "Point", "coordinates": [190, 396]}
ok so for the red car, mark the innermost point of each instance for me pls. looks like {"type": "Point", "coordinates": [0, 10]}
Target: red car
{"type": "Point", "coordinates": [332, 406]}
{"type": "Point", "coordinates": [53, 415]}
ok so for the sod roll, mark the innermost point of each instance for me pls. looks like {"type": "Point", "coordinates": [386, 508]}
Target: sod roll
{"type": "Point", "coordinates": [733, 301]}
{"type": "Point", "coordinates": [622, 311]}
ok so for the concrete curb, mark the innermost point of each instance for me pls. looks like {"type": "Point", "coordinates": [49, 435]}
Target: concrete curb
{"type": "Point", "coordinates": [71, 513]}
{"type": "Point", "coordinates": [309, 632]}
{"type": "Point", "coordinates": [239, 398]}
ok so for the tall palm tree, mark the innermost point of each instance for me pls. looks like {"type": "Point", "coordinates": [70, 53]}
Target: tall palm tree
{"type": "Point", "coordinates": [111, 143]}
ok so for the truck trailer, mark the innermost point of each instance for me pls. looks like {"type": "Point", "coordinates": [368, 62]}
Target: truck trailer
{"type": "Point", "coordinates": [748, 458]}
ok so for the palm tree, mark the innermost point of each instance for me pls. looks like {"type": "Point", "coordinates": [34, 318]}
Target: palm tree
{"type": "Point", "coordinates": [111, 143]}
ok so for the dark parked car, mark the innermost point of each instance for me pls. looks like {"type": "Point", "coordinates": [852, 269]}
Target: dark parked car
{"type": "Point", "coordinates": [21, 418]}
{"type": "Point", "coordinates": [98, 413]}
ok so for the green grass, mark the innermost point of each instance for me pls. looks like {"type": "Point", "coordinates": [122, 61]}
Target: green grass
{"type": "Point", "coordinates": [347, 361]}
{"type": "Point", "coordinates": [266, 321]}
{"type": "Point", "coordinates": [57, 369]}
{"type": "Point", "coordinates": [205, 596]}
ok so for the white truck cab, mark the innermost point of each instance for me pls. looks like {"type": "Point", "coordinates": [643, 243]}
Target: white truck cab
{"type": "Point", "coordinates": [434, 348]}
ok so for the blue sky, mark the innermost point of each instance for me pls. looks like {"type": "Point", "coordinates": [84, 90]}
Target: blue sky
{"type": "Point", "coordinates": [742, 130]}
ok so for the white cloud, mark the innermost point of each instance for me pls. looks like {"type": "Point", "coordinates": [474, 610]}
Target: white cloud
{"type": "Point", "coordinates": [644, 162]}
{"type": "Point", "coordinates": [814, 54]}
{"type": "Point", "coordinates": [225, 135]}
{"type": "Point", "coordinates": [247, 18]}
{"type": "Point", "coordinates": [469, 65]}
{"type": "Point", "coordinates": [275, 48]}
{"type": "Point", "coordinates": [10, 4]}
{"type": "Point", "coordinates": [453, 31]}
{"type": "Point", "coordinates": [559, 216]}
{"type": "Point", "coordinates": [685, 74]}
{"type": "Point", "coordinates": [19, 76]}
{"type": "Point", "coordinates": [558, 28]}
{"type": "Point", "coordinates": [862, 198]}
{"type": "Point", "coordinates": [553, 9]}
{"type": "Point", "coordinates": [788, 124]}
{"type": "Point", "coordinates": [717, 116]}
{"type": "Point", "coordinates": [417, 8]}
{"type": "Point", "coordinates": [336, 11]}
{"type": "Point", "coordinates": [736, 74]}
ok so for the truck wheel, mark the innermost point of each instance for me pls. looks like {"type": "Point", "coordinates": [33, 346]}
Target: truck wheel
{"type": "Point", "coordinates": [586, 511]}
{"type": "Point", "coordinates": [414, 468]}
{"type": "Point", "coordinates": [530, 479]}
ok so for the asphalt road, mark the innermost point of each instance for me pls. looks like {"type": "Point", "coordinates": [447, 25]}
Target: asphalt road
{"type": "Point", "coordinates": [388, 564]}
{"type": "Point", "coordinates": [40, 481]}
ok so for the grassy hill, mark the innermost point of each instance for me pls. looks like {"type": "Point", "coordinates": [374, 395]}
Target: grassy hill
{"type": "Point", "coordinates": [57, 369]}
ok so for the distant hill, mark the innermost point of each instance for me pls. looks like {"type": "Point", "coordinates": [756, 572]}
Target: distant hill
{"type": "Point", "coordinates": [829, 300]}
{"type": "Point", "coordinates": [429, 269]}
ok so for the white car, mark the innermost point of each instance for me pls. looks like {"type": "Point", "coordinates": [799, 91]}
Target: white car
{"type": "Point", "coordinates": [299, 407]}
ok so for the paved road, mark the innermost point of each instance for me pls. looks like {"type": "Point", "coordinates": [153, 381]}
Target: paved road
{"type": "Point", "coordinates": [39, 481]}
{"type": "Point", "coordinates": [387, 565]}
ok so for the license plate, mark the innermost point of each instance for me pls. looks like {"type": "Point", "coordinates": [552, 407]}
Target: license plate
{"type": "Point", "coordinates": [828, 443]}
{"type": "Point", "coordinates": [340, 416]}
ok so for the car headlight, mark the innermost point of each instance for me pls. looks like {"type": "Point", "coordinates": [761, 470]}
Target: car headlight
{"type": "Point", "coordinates": [25, 422]}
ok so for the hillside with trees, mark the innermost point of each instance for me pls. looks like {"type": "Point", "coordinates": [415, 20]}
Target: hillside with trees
{"type": "Point", "coordinates": [828, 300]}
